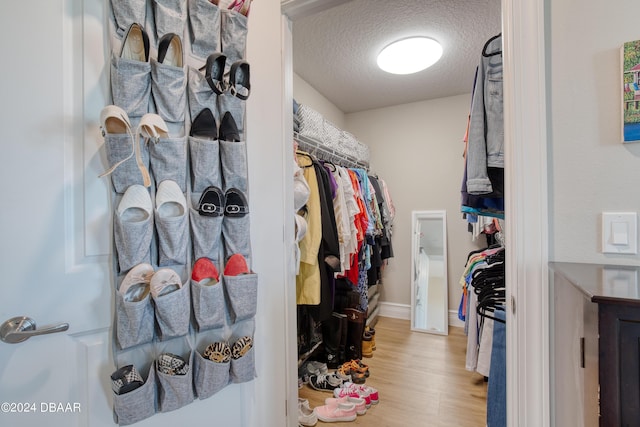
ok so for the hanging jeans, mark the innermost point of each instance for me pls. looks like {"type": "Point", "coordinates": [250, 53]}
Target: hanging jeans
{"type": "Point", "coordinates": [497, 387]}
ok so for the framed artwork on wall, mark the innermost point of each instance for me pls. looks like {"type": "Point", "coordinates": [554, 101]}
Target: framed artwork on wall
{"type": "Point", "coordinates": [630, 57]}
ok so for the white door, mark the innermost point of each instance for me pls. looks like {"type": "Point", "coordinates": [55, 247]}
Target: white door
{"type": "Point", "coordinates": [55, 223]}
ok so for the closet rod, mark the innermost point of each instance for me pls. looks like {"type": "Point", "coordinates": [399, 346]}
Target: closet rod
{"type": "Point", "coordinates": [322, 152]}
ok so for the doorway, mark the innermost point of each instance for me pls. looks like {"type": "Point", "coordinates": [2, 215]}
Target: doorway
{"type": "Point", "coordinates": [526, 231]}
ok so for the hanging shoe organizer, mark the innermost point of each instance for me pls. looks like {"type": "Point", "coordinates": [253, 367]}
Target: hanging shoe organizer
{"type": "Point", "coordinates": [185, 294]}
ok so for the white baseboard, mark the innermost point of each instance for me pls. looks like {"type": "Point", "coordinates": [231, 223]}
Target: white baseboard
{"type": "Point", "coordinates": [453, 319]}
{"type": "Point", "coordinates": [395, 310]}
{"type": "Point", "coordinates": [403, 311]}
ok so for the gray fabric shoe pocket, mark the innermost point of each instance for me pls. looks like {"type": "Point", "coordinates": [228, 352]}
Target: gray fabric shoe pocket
{"type": "Point", "coordinates": [233, 158]}
{"type": "Point", "coordinates": [175, 391]}
{"type": "Point", "coordinates": [244, 368]}
{"type": "Point", "coordinates": [132, 241]}
{"type": "Point", "coordinates": [233, 30]}
{"type": "Point", "coordinates": [117, 148]}
{"type": "Point", "coordinates": [169, 87]}
{"type": "Point", "coordinates": [236, 237]}
{"type": "Point", "coordinates": [236, 106]}
{"type": "Point", "coordinates": [134, 321]}
{"type": "Point", "coordinates": [168, 159]}
{"type": "Point", "coordinates": [170, 16]}
{"type": "Point", "coordinates": [205, 236]}
{"type": "Point", "coordinates": [209, 377]}
{"type": "Point", "coordinates": [200, 94]}
{"type": "Point", "coordinates": [208, 305]}
{"type": "Point", "coordinates": [205, 164]}
{"type": "Point", "coordinates": [126, 12]}
{"type": "Point", "coordinates": [173, 240]}
{"type": "Point", "coordinates": [138, 404]}
{"type": "Point", "coordinates": [173, 312]}
{"type": "Point", "coordinates": [204, 27]}
{"type": "Point", "coordinates": [131, 85]}
{"type": "Point", "coordinates": [242, 294]}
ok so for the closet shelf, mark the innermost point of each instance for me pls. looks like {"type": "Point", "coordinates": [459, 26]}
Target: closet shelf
{"type": "Point", "coordinates": [322, 151]}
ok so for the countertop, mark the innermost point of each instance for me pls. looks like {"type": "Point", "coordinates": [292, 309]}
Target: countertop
{"type": "Point", "coordinates": [602, 283]}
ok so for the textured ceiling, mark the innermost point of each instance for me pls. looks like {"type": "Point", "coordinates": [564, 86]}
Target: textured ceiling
{"type": "Point", "coordinates": [335, 50]}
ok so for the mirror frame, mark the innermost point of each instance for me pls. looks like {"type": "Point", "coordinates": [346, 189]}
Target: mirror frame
{"type": "Point", "coordinates": [415, 217]}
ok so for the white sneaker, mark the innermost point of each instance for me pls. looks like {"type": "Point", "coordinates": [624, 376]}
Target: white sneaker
{"type": "Point", "coordinates": [306, 415]}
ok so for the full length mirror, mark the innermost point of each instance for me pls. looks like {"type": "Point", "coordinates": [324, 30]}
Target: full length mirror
{"type": "Point", "coordinates": [429, 300]}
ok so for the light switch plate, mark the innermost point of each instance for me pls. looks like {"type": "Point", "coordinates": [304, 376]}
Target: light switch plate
{"type": "Point", "coordinates": [619, 233]}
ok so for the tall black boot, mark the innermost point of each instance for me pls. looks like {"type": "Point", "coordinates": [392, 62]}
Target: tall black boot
{"type": "Point", "coordinates": [331, 333]}
{"type": "Point", "coordinates": [355, 328]}
{"type": "Point", "coordinates": [342, 355]}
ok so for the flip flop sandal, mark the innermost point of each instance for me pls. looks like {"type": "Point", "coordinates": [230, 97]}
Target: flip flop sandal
{"type": "Point", "coordinates": [218, 352]}
{"type": "Point", "coordinates": [241, 347]}
{"type": "Point", "coordinates": [211, 202]}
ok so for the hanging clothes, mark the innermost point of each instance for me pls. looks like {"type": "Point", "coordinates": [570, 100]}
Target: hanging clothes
{"type": "Point", "coordinates": [308, 278]}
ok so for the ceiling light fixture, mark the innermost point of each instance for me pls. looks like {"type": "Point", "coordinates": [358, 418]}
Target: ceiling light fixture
{"type": "Point", "coordinates": [408, 56]}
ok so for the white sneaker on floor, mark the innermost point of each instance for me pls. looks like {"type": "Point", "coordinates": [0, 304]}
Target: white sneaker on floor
{"type": "Point", "coordinates": [306, 416]}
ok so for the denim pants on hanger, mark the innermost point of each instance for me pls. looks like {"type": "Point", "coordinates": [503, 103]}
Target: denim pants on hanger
{"type": "Point", "coordinates": [497, 388]}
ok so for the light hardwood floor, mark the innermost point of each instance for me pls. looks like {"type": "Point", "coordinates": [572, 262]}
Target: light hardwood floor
{"type": "Point", "coordinates": [421, 379]}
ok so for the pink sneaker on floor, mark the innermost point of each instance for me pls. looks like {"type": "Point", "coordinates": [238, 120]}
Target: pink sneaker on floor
{"type": "Point", "coordinates": [342, 412]}
{"type": "Point", "coordinates": [361, 406]}
{"type": "Point", "coordinates": [351, 390]}
{"type": "Point", "coordinates": [371, 392]}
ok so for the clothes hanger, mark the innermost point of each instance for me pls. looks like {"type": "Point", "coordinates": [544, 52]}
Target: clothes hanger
{"type": "Point", "coordinates": [486, 45]}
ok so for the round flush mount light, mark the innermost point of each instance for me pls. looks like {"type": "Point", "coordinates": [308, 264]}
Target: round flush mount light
{"type": "Point", "coordinates": [408, 56]}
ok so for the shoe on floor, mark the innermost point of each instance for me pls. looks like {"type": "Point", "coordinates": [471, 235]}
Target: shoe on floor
{"type": "Point", "coordinates": [350, 389]}
{"type": "Point", "coordinates": [306, 416]}
{"type": "Point", "coordinates": [360, 404]}
{"type": "Point", "coordinates": [342, 412]}
{"type": "Point", "coordinates": [367, 390]}
{"type": "Point", "coordinates": [205, 272]}
{"type": "Point", "coordinates": [325, 382]}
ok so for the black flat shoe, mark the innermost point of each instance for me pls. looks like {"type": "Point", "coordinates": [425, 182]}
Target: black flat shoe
{"type": "Point", "coordinates": [229, 128]}
{"type": "Point", "coordinates": [170, 50]}
{"type": "Point", "coordinates": [211, 202]}
{"type": "Point", "coordinates": [235, 203]}
{"type": "Point", "coordinates": [204, 125]}
{"type": "Point", "coordinates": [214, 72]}
{"type": "Point", "coordinates": [239, 79]}
{"type": "Point", "coordinates": [135, 44]}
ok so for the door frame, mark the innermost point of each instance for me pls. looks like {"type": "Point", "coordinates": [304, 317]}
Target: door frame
{"type": "Point", "coordinates": [526, 213]}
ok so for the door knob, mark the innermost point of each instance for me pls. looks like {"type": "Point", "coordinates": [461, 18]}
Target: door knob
{"type": "Point", "coordinates": [21, 328]}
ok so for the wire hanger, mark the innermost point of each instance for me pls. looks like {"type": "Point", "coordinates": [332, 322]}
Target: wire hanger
{"type": "Point", "coordinates": [486, 45]}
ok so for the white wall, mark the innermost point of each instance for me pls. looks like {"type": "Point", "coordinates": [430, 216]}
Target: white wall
{"type": "Point", "coordinates": [417, 149]}
{"type": "Point", "coordinates": [306, 94]}
{"type": "Point", "coordinates": [591, 171]}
